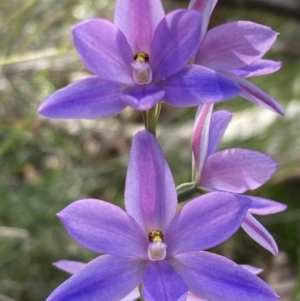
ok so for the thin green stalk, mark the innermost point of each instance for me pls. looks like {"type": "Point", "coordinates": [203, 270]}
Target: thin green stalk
{"type": "Point", "coordinates": [158, 109]}
{"type": "Point", "coordinates": [186, 194]}
{"type": "Point", "coordinates": [152, 120]}
{"type": "Point", "coordinates": [151, 117]}
{"type": "Point", "coordinates": [145, 118]}
{"type": "Point", "coordinates": [184, 186]}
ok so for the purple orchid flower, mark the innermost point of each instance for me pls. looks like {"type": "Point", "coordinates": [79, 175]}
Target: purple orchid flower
{"type": "Point", "coordinates": [73, 267]}
{"type": "Point", "coordinates": [152, 245]}
{"type": "Point", "coordinates": [138, 61]}
{"type": "Point", "coordinates": [235, 50]}
{"type": "Point", "coordinates": [233, 170]}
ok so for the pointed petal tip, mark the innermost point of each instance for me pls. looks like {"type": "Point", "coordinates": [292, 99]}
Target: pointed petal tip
{"type": "Point", "coordinates": [273, 249]}
{"type": "Point", "coordinates": [279, 63]}
{"type": "Point", "coordinates": [283, 207]}
{"type": "Point", "coordinates": [256, 95]}
{"type": "Point", "coordinates": [259, 234]}
{"type": "Point", "coordinates": [55, 263]}
{"type": "Point", "coordinates": [43, 110]}
{"type": "Point", "coordinates": [252, 269]}
{"type": "Point", "coordinates": [262, 206]}
{"type": "Point", "coordinates": [281, 112]}
{"type": "Point", "coordinates": [40, 109]}
{"type": "Point", "coordinates": [277, 108]}
{"type": "Point", "coordinates": [60, 215]}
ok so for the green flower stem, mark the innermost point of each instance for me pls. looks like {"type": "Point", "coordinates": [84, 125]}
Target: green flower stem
{"type": "Point", "coordinates": [184, 186]}
{"type": "Point", "coordinates": [158, 109]}
{"type": "Point", "coordinates": [145, 118]}
{"type": "Point", "coordinates": [151, 117]}
{"type": "Point", "coordinates": [186, 191]}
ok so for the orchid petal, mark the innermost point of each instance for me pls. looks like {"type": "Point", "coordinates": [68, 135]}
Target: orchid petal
{"type": "Point", "coordinates": [237, 170]}
{"type": "Point", "coordinates": [205, 222]}
{"type": "Point", "coordinates": [69, 266]}
{"type": "Point", "coordinates": [235, 45]}
{"type": "Point", "coordinates": [150, 193]}
{"type": "Point", "coordinates": [259, 233]}
{"type": "Point", "coordinates": [173, 46]}
{"type": "Point", "coordinates": [143, 97]}
{"type": "Point", "coordinates": [104, 278]}
{"type": "Point", "coordinates": [205, 7]}
{"type": "Point", "coordinates": [218, 125]}
{"type": "Point", "coordinates": [138, 20]}
{"type": "Point", "coordinates": [214, 278]}
{"type": "Point", "coordinates": [196, 85]}
{"type": "Point", "coordinates": [251, 269]}
{"type": "Point", "coordinates": [259, 67]}
{"type": "Point", "coordinates": [263, 206]}
{"type": "Point", "coordinates": [104, 50]}
{"type": "Point", "coordinates": [162, 283]}
{"type": "Point", "coordinates": [254, 94]}
{"type": "Point", "coordinates": [200, 5]}
{"type": "Point", "coordinates": [200, 138]}
{"type": "Point", "coordinates": [73, 267]}
{"type": "Point", "coordinates": [89, 98]}
{"type": "Point", "coordinates": [104, 228]}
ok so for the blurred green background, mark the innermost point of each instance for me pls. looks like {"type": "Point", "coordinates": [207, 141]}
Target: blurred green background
{"type": "Point", "coordinates": [47, 164]}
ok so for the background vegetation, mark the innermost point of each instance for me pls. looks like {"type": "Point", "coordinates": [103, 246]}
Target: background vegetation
{"type": "Point", "coordinates": [47, 164]}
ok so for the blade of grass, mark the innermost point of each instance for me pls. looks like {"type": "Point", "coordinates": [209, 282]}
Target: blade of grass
{"type": "Point", "coordinates": [33, 55]}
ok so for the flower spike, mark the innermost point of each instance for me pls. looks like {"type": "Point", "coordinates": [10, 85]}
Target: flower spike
{"type": "Point", "coordinates": [151, 244]}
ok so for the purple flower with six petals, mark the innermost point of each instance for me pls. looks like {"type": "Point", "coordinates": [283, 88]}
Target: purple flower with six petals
{"type": "Point", "coordinates": [152, 245]}
{"type": "Point", "coordinates": [233, 170]}
{"type": "Point", "coordinates": [235, 50]}
{"type": "Point", "coordinates": [138, 61]}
